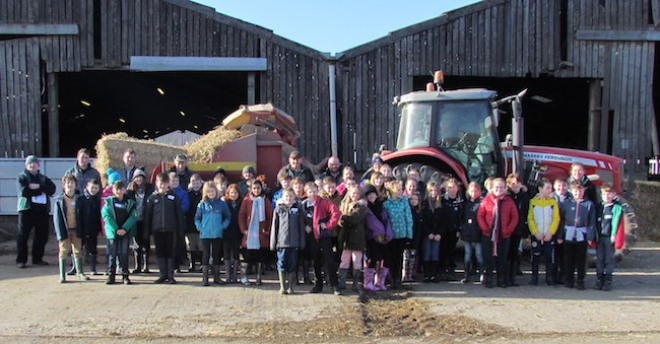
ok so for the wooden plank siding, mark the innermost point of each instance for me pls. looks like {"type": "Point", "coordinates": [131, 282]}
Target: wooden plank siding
{"type": "Point", "coordinates": [510, 38]}
{"type": "Point", "coordinates": [20, 97]}
{"type": "Point", "coordinates": [296, 79]}
{"type": "Point", "coordinates": [491, 38]}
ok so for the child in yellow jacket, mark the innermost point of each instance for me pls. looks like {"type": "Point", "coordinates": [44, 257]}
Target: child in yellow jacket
{"type": "Point", "coordinates": [543, 221]}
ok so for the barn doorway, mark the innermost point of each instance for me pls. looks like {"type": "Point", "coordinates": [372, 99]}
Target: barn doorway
{"type": "Point", "coordinates": [556, 110]}
{"type": "Point", "coordinates": [144, 105]}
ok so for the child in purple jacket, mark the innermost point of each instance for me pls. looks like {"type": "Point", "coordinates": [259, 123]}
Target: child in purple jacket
{"type": "Point", "coordinates": [378, 234]}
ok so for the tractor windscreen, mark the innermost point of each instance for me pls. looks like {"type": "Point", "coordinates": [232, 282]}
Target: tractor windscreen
{"type": "Point", "coordinates": [465, 131]}
{"type": "Point", "coordinates": [462, 129]}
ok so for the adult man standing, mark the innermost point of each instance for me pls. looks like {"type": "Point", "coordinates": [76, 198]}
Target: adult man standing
{"type": "Point", "coordinates": [181, 169]}
{"type": "Point", "coordinates": [295, 168]}
{"type": "Point", "coordinates": [83, 170]}
{"type": "Point", "coordinates": [126, 172]}
{"type": "Point", "coordinates": [333, 170]}
{"type": "Point", "coordinates": [34, 192]}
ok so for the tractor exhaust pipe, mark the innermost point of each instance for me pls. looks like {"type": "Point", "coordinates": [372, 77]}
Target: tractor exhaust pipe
{"type": "Point", "coordinates": [517, 131]}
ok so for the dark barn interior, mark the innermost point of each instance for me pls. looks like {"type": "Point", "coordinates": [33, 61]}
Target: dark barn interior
{"type": "Point", "coordinates": [555, 110]}
{"type": "Point", "coordinates": [144, 105]}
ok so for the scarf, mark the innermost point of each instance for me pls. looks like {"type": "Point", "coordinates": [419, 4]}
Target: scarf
{"type": "Point", "coordinates": [494, 234]}
{"type": "Point", "coordinates": [258, 215]}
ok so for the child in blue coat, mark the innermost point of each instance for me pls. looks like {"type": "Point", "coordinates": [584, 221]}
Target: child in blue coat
{"type": "Point", "coordinates": [211, 219]}
{"type": "Point", "coordinates": [180, 251]}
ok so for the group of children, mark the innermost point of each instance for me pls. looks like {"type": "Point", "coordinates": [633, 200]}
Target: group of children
{"type": "Point", "coordinates": [382, 231]}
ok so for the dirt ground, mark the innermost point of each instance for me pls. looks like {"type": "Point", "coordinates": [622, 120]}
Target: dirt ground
{"type": "Point", "coordinates": [35, 308]}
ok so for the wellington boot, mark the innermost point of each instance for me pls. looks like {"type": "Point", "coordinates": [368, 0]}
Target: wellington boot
{"type": "Point", "coordinates": [343, 273]}
{"type": "Point", "coordinates": [290, 281]}
{"type": "Point", "coordinates": [62, 270]}
{"type": "Point", "coordinates": [216, 275]}
{"type": "Point", "coordinates": [369, 279]}
{"type": "Point", "coordinates": [260, 268]}
{"type": "Point", "coordinates": [357, 274]}
{"type": "Point", "coordinates": [282, 279]}
{"type": "Point", "coordinates": [79, 269]}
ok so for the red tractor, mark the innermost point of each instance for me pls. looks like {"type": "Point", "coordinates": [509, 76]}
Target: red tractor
{"type": "Point", "coordinates": [455, 132]}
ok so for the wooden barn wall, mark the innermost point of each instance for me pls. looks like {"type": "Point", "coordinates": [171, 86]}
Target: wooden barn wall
{"type": "Point", "coordinates": [61, 53]}
{"type": "Point", "coordinates": [502, 38]}
{"type": "Point", "coordinates": [20, 97]}
{"type": "Point", "coordinates": [298, 84]}
{"type": "Point", "coordinates": [296, 78]}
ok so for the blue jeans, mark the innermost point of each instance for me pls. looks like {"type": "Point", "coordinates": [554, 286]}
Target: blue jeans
{"type": "Point", "coordinates": [287, 260]}
{"type": "Point", "coordinates": [118, 249]}
{"type": "Point", "coordinates": [431, 249]}
{"type": "Point", "coordinates": [476, 247]}
{"type": "Point", "coordinates": [605, 256]}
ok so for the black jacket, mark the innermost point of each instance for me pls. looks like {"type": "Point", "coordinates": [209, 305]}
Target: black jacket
{"type": "Point", "coordinates": [452, 214]}
{"type": "Point", "coordinates": [194, 197]}
{"type": "Point", "coordinates": [25, 194]}
{"type": "Point", "coordinates": [163, 213]}
{"type": "Point", "coordinates": [433, 220]}
{"type": "Point", "coordinates": [470, 231]}
{"type": "Point", "coordinates": [418, 229]}
{"type": "Point", "coordinates": [88, 215]}
{"type": "Point", "coordinates": [233, 231]}
{"type": "Point", "coordinates": [521, 199]}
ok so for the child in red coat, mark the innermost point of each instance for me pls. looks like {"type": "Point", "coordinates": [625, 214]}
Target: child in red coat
{"type": "Point", "coordinates": [497, 218]}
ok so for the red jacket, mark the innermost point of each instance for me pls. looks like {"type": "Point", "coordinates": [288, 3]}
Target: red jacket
{"type": "Point", "coordinates": [509, 215]}
{"type": "Point", "coordinates": [244, 216]}
{"type": "Point", "coordinates": [324, 209]}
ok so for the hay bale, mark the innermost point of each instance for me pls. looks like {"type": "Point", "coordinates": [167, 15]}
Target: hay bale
{"type": "Point", "coordinates": [203, 149]}
{"type": "Point", "coordinates": [646, 201]}
{"type": "Point", "coordinates": [110, 150]}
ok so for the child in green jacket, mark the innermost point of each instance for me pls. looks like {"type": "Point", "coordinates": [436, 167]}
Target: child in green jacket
{"type": "Point", "coordinates": [120, 216]}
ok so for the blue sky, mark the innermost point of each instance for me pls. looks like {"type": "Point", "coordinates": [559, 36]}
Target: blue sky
{"type": "Point", "coordinates": [334, 26]}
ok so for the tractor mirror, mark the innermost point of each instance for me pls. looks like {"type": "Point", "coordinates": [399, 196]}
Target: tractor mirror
{"type": "Point", "coordinates": [496, 117]}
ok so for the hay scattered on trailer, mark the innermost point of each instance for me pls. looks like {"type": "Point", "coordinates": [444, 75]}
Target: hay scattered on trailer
{"type": "Point", "coordinates": [203, 149]}
{"type": "Point", "coordinates": [110, 150]}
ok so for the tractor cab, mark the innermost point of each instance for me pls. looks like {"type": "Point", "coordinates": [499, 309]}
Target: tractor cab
{"type": "Point", "coordinates": [456, 127]}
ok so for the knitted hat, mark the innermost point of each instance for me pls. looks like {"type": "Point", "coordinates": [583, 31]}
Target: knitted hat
{"type": "Point", "coordinates": [369, 189]}
{"type": "Point", "coordinates": [113, 176]}
{"type": "Point", "coordinates": [31, 159]}
{"type": "Point", "coordinates": [249, 169]}
{"type": "Point", "coordinates": [377, 160]}
{"type": "Point", "coordinates": [138, 172]}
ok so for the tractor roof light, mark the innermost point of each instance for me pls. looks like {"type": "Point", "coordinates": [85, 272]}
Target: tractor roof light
{"type": "Point", "coordinates": [439, 79]}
